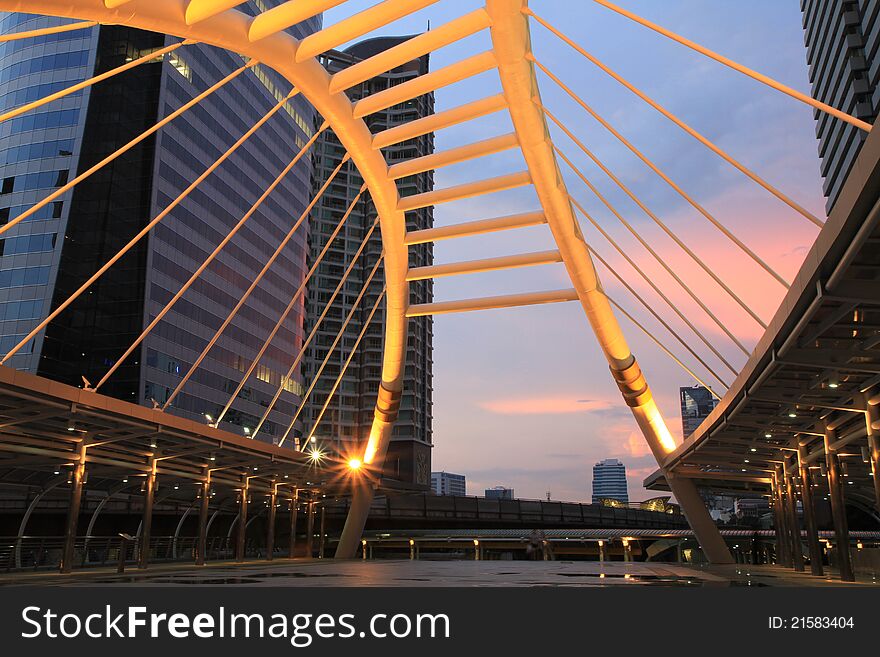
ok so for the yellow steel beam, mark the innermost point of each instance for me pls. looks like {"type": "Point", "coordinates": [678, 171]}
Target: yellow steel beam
{"type": "Point", "coordinates": [478, 227]}
{"type": "Point", "coordinates": [485, 264]}
{"type": "Point", "coordinates": [489, 303]}
{"type": "Point", "coordinates": [466, 190]}
{"type": "Point", "coordinates": [453, 156]}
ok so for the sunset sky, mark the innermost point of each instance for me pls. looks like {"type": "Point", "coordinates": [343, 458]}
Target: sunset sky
{"type": "Point", "coordinates": [523, 397]}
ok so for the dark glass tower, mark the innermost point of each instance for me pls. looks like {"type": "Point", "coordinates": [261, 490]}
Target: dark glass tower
{"type": "Point", "coordinates": [74, 237]}
{"type": "Point", "coordinates": [842, 39]}
{"type": "Point", "coordinates": [349, 415]}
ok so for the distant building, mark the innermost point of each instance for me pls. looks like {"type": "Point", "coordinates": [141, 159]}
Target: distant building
{"type": "Point", "coordinates": [842, 38]}
{"type": "Point", "coordinates": [499, 493]}
{"type": "Point", "coordinates": [448, 483]}
{"type": "Point", "coordinates": [696, 404]}
{"type": "Point", "coordinates": [751, 507]}
{"type": "Point", "coordinates": [609, 481]}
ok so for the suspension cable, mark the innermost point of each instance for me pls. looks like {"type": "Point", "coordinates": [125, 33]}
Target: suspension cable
{"type": "Point", "coordinates": [30, 34]}
{"type": "Point", "coordinates": [654, 253]}
{"type": "Point", "coordinates": [681, 124]}
{"type": "Point", "coordinates": [345, 365]}
{"type": "Point", "coordinates": [257, 204]}
{"type": "Point", "coordinates": [120, 151]}
{"type": "Point", "coordinates": [657, 220]}
{"type": "Point", "coordinates": [146, 229]}
{"type": "Point", "coordinates": [770, 82]}
{"type": "Point", "coordinates": [293, 299]}
{"type": "Point", "coordinates": [255, 282]}
{"type": "Point", "coordinates": [79, 86]}
{"type": "Point", "coordinates": [657, 341]}
{"type": "Point", "coordinates": [317, 325]}
{"type": "Point", "coordinates": [332, 347]}
{"type": "Point", "coordinates": [656, 315]}
{"type": "Point", "coordinates": [651, 165]}
{"type": "Point", "coordinates": [654, 286]}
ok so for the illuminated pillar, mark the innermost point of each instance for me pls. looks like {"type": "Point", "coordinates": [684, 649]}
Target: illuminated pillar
{"type": "Point", "coordinates": [797, 550]}
{"type": "Point", "coordinates": [202, 546]}
{"type": "Point", "coordinates": [270, 529]}
{"type": "Point", "coordinates": [76, 486]}
{"type": "Point", "coordinates": [602, 551]}
{"type": "Point", "coordinates": [809, 513]}
{"type": "Point", "coordinates": [310, 529]}
{"type": "Point", "coordinates": [322, 534]}
{"type": "Point", "coordinates": [294, 504]}
{"type": "Point", "coordinates": [242, 520]}
{"type": "Point", "coordinates": [147, 521]}
{"type": "Point", "coordinates": [838, 508]}
{"type": "Point", "coordinates": [873, 415]}
{"type": "Point", "coordinates": [783, 556]}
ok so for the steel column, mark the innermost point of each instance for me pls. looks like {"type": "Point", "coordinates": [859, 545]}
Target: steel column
{"type": "Point", "coordinates": [202, 544]}
{"type": "Point", "coordinates": [242, 520]}
{"type": "Point", "coordinates": [147, 518]}
{"type": "Point", "coordinates": [809, 513]}
{"type": "Point", "coordinates": [76, 486]}
{"type": "Point", "coordinates": [310, 529]}
{"type": "Point", "coordinates": [838, 507]}
{"type": "Point", "coordinates": [294, 504]}
{"type": "Point", "coordinates": [270, 522]}
{"type": "Point", "coordinates": [872, 415]}
{"type": "Point", "coordinates": [322, 533]}
{"type": "Point", "coordinates": [797, 549]}
{"type": "Point", "coordinates": [783, 556]}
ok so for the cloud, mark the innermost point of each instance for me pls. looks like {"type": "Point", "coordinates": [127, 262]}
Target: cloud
{"type": "Point", "coordinates": [543, 406]}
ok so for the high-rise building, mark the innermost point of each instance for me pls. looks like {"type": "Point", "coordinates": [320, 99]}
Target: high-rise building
{"type": "Point", "coordinates": [609, 481]}
{"type": "Point", "coordinates": [842, 39]}
{"type": "Point", "coordinates": [347, 418]}
{"type": "Point", "coordinates": [696, 405]}
{"type": "Point", "coordinates": [498, 493]}
{"type": "Point", "coordinates": [447, 483]}
{"type": "Point", "coordinates": [48, 256]}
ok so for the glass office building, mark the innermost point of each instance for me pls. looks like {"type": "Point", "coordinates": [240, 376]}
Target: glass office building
{"type": "Point", "coordinates": [696, 405]}
{"type": "Point", "coordinates": [609, 481]}
{"type": "Point", "coordinates": [348, 416]}
{"type": "Point", "coordinates": [47, 257]}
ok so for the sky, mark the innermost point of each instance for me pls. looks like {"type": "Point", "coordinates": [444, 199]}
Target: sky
{"type": "Point", "coordinates": [523, 397]}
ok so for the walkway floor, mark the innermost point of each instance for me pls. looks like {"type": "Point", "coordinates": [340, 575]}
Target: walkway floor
{"type": "Point", "coordinates": [424, 573]}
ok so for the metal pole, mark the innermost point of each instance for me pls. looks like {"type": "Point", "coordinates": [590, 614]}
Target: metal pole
{"type": "Point", "coordinates": [783, 557]}
{"type": "Point", "coordinates": [270, 530]}
{"type": "Point", "coordinates": [310, 529]}
{"type": "Point", "coordinates": [322, 535]}
{"type": "Point", "coordinates": [838, 508]}
{"type": "Point", "coordinates": [797, 549]}
{"type": "Point", "coordinates": [202, 545]}
{"type": "Point", "coordinates": [872, 415]}
{"type": "Point", "coordinates": [294, 502]}
{"type": "Point", "coordinates": [809, 513]}
{"type": "Point", "coordinates": [242, 520]}
{"type": "Point", "coordinates": [147, 520]}
{"type": "Point", "coordinates": [76, 486]}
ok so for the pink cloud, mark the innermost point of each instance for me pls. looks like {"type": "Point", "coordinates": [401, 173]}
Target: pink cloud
{"type": "Point", "coordinates": [543, 405]}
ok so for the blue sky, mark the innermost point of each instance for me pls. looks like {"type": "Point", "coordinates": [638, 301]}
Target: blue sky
{"type": "Point", "coordinates": [522, 397]}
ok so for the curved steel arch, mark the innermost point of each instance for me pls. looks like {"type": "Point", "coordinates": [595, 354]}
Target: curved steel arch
{"type": "Point", "coordinates": [229, 30]}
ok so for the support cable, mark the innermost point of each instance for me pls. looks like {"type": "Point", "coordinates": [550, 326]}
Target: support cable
{"type": "Point", "coordinates": [699, 261]}
{"type": "Point", "coordinates": [79, 86]}
{"type": "Point", "coordinates": [656, 315]}
{"type": "Point", "coordinates": [651, 250]}
{"type": "Point", "coordinates": [127, 147]}
{"type": "Point", "coordinates": [681, 124]}
{"type": "Point", "coordinates": [654, 286]}
{"type": "Point", "coordinates": [192, 279]}
{"type": "Point", "coordinates": [30, 34]}
{"type": "Point", "coordinates": [657, 341]}
{"type": "Point", "coordinates": [293, 299]}
{"type": "Point", "coordinates": [255, 282]}
{"type": "Point", "coordinates": [332, 347]}
{"type": "Point", "coordinates": [348, 360]}
{"type": "Point", "coordinates": [146, 229]}
{"type": "Point", "coordinates": [721, 59]}
{"type": "Point", "coordinates": [317, 325]}
{"type": "Point", "coordinates": [651, 165]}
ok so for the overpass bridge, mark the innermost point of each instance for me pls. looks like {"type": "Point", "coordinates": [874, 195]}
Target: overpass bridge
{"type": "Point", "coordinates": [812, 378]}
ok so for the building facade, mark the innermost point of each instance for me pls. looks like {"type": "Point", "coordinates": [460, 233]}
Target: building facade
{"type": "Point", "coordinates": [447, 483]}
{"type": "Point", "coordinates": [842, 39]}
{"type": "Point", "coordinates": [609, 481]}
{"type": "Point", "coordinates": [696, 405]}
{"type": "Point", "coordinates": [61, 246]}
{"type": "Point", "coordinates": [344, 421]}
{"type": "Point", "coordinates": [498, 493]}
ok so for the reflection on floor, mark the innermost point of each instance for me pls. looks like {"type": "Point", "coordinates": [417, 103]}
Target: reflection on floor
{"type": "Point", "coordinates": [424, 573]}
